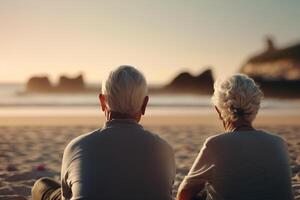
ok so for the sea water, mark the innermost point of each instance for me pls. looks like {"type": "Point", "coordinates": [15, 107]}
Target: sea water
{"type": "Point", "coordinates": [12, 103]}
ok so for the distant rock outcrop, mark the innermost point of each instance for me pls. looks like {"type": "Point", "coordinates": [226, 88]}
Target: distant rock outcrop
{"type": "Point", "coordinates": [279, 87]}
{"type": "Point", "coordinates": [277, 71]}
{"type": "Point", "coordinates": [187, 83]}
{"type": "Point", "coordinates": [275, 63]}
{"type": "Point", "coordinates": [70, 84]}
{"type": "Point", "coordinates": [65, 84]}
{"type": "Point", "coordinates": [38, 84]}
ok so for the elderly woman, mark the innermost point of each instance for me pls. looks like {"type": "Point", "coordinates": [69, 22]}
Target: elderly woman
{"type": "Point", "coordinates": [242, 163]}
{"type": "Point", "coordinates": [119, 161]}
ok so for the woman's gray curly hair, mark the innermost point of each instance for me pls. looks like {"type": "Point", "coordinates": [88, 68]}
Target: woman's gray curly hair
{"type": "Point", "coordinates": [237, 97]}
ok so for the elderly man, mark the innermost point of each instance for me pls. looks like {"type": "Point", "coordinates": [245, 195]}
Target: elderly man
{"type": "Point", "coordinates": [121, 160]}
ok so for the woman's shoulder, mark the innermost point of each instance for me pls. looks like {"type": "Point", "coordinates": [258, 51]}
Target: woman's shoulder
{"type": "Point", "coordinates": [211, 140]}
{"type": "Point", "coordinates": [217, 137]}
{"type": "Point", "coordinates": [258, 134]}
{"type": "Point", "coordinates": [271, 137]}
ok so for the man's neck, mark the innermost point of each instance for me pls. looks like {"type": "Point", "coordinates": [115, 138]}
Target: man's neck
{"type": "Point", "coordinates": [110, 115]}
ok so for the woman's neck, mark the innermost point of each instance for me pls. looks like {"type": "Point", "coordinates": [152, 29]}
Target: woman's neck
{"type": "Point", "coordinates": [239, 125]}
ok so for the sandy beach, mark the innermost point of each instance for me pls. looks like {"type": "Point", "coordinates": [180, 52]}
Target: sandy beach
{"type": "Point", "coordinates": [182, 62]}
{"type": "Point", "coordinates": [32, 147]}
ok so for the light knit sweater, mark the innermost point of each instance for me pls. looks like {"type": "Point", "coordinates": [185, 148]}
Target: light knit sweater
{"type": "Point", "coordinates": [242, 165]}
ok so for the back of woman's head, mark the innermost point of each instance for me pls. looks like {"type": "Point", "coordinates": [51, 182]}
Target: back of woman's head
{"type": "Point", "coordinates": [237, 97]}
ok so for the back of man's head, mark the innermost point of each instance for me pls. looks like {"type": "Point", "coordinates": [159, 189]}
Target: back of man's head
{"type": "Point", "coordinates": [125, 90]}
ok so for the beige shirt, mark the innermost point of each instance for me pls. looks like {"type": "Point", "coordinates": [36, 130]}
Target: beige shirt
{"type": "Point", "coordinates": [247, 165]}
{"type": "Point", "coordinates": [120, 161]}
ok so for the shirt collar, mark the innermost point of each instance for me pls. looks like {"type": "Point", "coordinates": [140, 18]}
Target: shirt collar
{"type": "Point", "coordinates": [121, 122]}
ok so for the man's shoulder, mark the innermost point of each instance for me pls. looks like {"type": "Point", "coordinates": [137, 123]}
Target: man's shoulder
{"type": "Point", "coordinates": [81, 139]}
{"type": "Point", "coordinates": [85, 139]}
{"type": "Point", "coordinates": [157, 140]}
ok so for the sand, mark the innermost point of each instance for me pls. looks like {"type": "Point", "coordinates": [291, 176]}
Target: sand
{"type": "Point", "coordinates": [32, 147]}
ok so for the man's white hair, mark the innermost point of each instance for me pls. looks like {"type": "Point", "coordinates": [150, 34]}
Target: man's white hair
{"type": "Point", "coordinates": [237, 97]}
{"type": "Point", "coordinates": [125, 89]}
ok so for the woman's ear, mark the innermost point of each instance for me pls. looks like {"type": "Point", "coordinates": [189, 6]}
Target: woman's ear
{"type": "Point", "coordinates": [219, 113]}
{"type": "Point", "coordinates": [102, 102]}
{"type": "Point", "coordinates": [144, 105]}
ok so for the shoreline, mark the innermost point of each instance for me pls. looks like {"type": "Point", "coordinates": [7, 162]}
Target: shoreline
{"type": "Point", "coordinates": [152, 120]}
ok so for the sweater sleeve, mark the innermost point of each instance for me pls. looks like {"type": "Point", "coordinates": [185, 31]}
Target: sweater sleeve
{"type": "Point", "coordinates": [65, 187]}
{"type": "Point", "coordinates": [201, 170]}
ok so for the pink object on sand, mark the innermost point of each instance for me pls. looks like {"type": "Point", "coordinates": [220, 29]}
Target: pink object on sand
{"type": "Point", "coordinates": [40, 167]}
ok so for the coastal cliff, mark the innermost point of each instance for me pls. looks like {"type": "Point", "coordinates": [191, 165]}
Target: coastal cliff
{"type": "Point", "coordinates": [42, 84]}
{"type": "Point", "coordinates": [187, 83]}
{"type": "Point", "coordinates": [276, 70]}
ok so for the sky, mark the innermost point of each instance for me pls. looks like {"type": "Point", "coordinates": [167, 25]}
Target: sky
{"type": "Point", "coordinates": [161, 38]}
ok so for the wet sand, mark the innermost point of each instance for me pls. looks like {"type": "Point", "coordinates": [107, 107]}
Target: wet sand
{"type": "Point", "coordinates": [32, 147]}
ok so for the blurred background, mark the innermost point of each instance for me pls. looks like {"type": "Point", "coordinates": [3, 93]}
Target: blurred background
{"type": "Point", "coordinates": [54, 54]}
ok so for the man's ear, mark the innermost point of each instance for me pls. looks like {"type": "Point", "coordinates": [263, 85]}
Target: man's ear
{"type": "Point", "coordinates": [144, 105]}
{"type": "Point", "coordinates": [219, 112]}
{"type": "Point", "coordinates": [102, 102]}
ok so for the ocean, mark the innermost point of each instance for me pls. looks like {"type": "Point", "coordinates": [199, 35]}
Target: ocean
{"type": "Point", "coordinates": [12, 103]}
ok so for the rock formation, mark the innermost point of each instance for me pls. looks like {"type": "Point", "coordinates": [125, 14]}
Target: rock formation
{"type": "Point", "coordinates": [277, 71]}
{"type": "Point", "coordinates": [38, 84]}
{"type": "Point", "coordinates": [70, 84]}
{"type": "Point", "coordinates": [275, 63]}
{"type": "Point", "coordinates": [65, 84]}
{"type": "Point", "coordinates": [187, 83]}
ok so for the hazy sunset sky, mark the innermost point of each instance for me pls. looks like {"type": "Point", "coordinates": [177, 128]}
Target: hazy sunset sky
{"type": "Point", "coordinates": [161, 37]}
